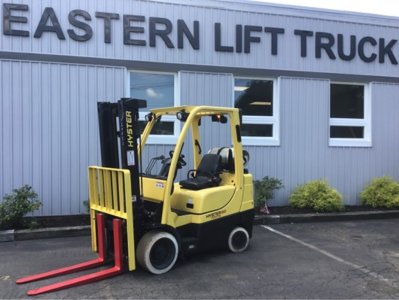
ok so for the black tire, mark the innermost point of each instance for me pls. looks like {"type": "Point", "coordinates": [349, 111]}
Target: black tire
{"type": "Point", "coordinates": [238, 240]}
{"type": "Point", "coordinates": [157, 251]}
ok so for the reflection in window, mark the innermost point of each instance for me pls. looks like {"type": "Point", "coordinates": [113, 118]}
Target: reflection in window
{"type": "Point", "coordinates": [347, 101]}
{"type": "Point", "coordinates": [346, 132]}
{"type": "Point", "coordinates": [257, 130]}
{"type": "Point", "coordinates": [158, 89]}
{"type": "Point", "coordinates": [350, 115]}
{"type": "Point", "coordinates": [163, 128]}
{"type": "Point", "coordinates": [255, 97]}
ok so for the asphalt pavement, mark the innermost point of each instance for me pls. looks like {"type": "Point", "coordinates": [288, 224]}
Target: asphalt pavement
{"type": "Point", "coordinates": [329, 260]}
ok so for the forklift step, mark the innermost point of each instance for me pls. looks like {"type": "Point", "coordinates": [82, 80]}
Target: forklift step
{"type": "Point", "coordinates": [189, 244]}
{"type": "Point", "coordinates": [117, 269]}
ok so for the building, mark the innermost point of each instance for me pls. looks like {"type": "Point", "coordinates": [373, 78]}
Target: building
{"type": "Point", "coordinates": [319, 88]}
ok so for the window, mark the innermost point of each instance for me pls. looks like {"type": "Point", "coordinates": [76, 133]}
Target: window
{"type": "Point", "coordinates": [258, 99]}
{"type": "Point", "coordinates": [159, 91]}
{"type": "Point", "coordinates": [350, 115]}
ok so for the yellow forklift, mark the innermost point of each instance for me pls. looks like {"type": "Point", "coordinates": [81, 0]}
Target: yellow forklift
{"type": "Point", "coordinates": [152, 219]}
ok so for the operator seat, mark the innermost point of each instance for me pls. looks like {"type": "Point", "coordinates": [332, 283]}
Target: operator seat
{"type": "Point", "coordinates": [207, 174]}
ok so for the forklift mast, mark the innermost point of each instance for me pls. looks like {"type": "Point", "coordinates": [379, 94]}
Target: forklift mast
{"type": "Point", "coordinates": [121, 154]}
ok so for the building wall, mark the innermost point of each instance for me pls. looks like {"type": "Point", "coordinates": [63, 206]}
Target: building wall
{"type": "Point", "coordinates": [49, 89]}
{"type": "Point", "coordinates": [49, 128]}
{"type": "Point", "coordinates": [304, 153]}
{"type": "Point", "coordinates": [50, 132]}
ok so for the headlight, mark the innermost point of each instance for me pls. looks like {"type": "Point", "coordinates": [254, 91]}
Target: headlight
{"type": "Point", "coordinates": [148, 118]}
{"type": "Point", "coordinates": [182, 115]}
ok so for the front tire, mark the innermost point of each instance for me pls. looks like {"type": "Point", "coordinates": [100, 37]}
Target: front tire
{"type": "Point", "coordinates": [157, 251]}
{"type": "Point", "coordinates": [238, 240]}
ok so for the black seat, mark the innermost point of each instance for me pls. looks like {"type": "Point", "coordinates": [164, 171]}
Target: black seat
{"type": "Point", "coordinates": [207, 174]}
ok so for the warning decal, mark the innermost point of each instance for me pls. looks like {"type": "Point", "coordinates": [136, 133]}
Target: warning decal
{"type": "Point", "coordinates": [159, 184]}
{"type": "Point", "coordinates": [130, 158]}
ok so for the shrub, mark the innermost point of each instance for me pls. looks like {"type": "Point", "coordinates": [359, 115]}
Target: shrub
{"type": "Point", "coordinates": [86, 203]}
{"type": "Point", "coordinates": [264, 190]}
{"type": "Point", "coordinates": [381, 192]}
{"type": "Point", "coordinates": [14, 207]}
{"type": "Point", "coordinates": [317, 195]}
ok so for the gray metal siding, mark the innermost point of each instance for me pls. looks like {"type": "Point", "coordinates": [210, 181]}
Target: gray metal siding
{"type": "Point", "coordinates": [48, 119]}
{"type": "Point", "coordinates": [49, 128]}
{"type": "Point", "coordinates": [198, 88]}
{"type": "Point", "coordinates": [209, 13]}
{"type": "Point", "coordinates": [304, 154]}
{"type": "Point", "coordinates": [304, 107]}
{"type": "Point", "coordinates": [49, 132]}
{"type": "Point", "coordinates": [207, 89]}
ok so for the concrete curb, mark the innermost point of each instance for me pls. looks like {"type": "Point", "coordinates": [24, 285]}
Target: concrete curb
{"type": "Point", "coordinates": [7, 235]}
{"type": "Point", "coordinates": [54, 232]}
{"type": "Point", "coordinates": [325, 217]}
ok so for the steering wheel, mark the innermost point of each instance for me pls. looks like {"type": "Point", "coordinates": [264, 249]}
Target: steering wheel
{"type": "Point", "coordinates": [180, 161]}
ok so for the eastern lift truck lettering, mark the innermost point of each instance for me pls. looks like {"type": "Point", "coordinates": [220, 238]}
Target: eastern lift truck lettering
{"type": "Point", "coordinates": [152, 219]}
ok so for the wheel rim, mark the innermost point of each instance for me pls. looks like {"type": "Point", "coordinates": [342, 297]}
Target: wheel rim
{"type": "Point", "coordinates": [239, 240]}
{"type": "Point", "coordinates": [162, 253]}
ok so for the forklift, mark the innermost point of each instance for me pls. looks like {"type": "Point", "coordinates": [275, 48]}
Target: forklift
{"type": "Point", "coordinates": [152, 219]}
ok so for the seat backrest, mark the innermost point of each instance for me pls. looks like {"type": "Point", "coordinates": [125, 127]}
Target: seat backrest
{"type": "Point", "coordinates": [209, 166]}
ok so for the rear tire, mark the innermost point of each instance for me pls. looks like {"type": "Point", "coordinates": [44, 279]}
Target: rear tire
{"type": "Point", "coordinates": [238, 240]}
{"type": "Point", "coordinates": [157, 252]}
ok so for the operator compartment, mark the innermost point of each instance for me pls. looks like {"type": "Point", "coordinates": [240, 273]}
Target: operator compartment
{"type": "Point", "coordinates": [211, 188]}
{"type": "Point", "coordinates": [154, 184]}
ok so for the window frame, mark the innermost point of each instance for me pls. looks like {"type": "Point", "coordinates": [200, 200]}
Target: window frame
{"type": "Point", "coordinates": [366, 141]}
{"type": "Point", "coordinates": [274, 120]}
{"type": "Point", "coordinates": [158, 138]}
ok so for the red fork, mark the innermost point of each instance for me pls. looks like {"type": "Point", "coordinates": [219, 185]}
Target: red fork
{"type": "Point", "coordinates": [117, 269]}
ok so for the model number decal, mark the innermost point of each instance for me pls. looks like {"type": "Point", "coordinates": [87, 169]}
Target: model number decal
{"type": "Point", "coordinates": [160, 185]}
{"type": "Point", "coordinates": [216, 214]}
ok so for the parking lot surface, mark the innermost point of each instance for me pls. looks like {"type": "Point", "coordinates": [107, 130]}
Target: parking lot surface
{"type": "Point", "coordinates": [332, 260]}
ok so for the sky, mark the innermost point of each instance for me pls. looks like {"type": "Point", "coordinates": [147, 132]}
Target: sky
{"type": "Point", "coordinates": [380, 7]}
